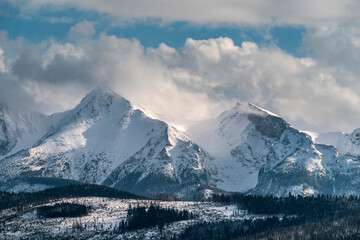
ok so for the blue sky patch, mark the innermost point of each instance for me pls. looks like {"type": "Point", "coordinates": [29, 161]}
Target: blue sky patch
{"type": "Point", "coordinates": [47, 23]}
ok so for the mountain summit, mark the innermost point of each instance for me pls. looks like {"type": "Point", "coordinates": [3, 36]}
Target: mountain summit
{"type": "Point", "coordinates": [105, 140]}
{"type": "Point", "coordinates": [258, 152]}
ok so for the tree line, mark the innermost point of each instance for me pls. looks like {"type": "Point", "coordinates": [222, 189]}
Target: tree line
{"type": "Point", "coordinates": [63, 210]}
{"type": "Point", "coordinates": [154, 215]}
{"type": "Point", "coordinates": [293, 217]}
{"type": "Point", "coordinates": [23, 200]}
{"type": "Point", "coordinates": [309, 207]}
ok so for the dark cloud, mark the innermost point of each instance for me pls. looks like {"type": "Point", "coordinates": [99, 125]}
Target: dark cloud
{"type": "Point", "coordinates": [59, 70]}
{"type": "Point", "coordinates": [14, 96]}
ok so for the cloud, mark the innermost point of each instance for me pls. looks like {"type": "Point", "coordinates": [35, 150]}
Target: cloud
{"type": "Point", "coordinates": [11, 91]}
{"type": "Point", "coordinates": [82, 30]}
{"type": "Point", "coordinates": [2, 61]}
{"type": "Point", "coordinates": [185, 85]}
{"type": "Point", "coordinates": [63, 67]}
{"type": "Point", "coordinates": [251, 12]}
{"type": "Point", "coordinates": [59, 19]}
{"type": "Point", "coordinates": [337, 46]}
{"type": "Point", "coordinates": [298, 89]}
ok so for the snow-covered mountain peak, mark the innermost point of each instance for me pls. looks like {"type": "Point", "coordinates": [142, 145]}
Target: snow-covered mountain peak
{"type": "Point", "coordinates": [248, 140]}
{"type": "Point", "coordinates": [253, 106]}
{"type": "Point", "coordinates": [174, 135]}
{"type": "Point", "coordinates": [104, 139]}
{"type": "Point", "coordinates": [243, 109]}
{"type": "Point", "coordinates": [103, 98]}
{"type": "Point", "coordinates": [98, 104]}
{"type": "Point", "coordinates": [233, 127]}
{"type": "Point", "coordinates": [249, 108]}
{"type": "Point", "coordinates": [265, 122]}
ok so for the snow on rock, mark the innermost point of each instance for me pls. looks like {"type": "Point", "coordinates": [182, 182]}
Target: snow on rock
{"type": "Point", "coordinates": [108, 213]}
{"type": "Point", "coordinates": [346, 144]}
{"type": "Point", "coordinates": [257, 152]}
{"type": "Point", "coordinates": [104, 139]}
{"type": "Point", "coordinates": [19, 130]}
{"type": "Point", "coordinates": [313, 135]}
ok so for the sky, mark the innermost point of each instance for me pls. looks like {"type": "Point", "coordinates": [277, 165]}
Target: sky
{"type": "Point", "coordinates": [187, 61]}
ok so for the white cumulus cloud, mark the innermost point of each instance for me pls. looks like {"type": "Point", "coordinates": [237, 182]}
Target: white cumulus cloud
{"type": "Point", "coordinates": [82, 30]}
{"type": "Point", "coordinates": [185, 85]}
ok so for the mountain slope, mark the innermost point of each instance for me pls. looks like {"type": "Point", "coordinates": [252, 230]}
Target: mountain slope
{"type": "Point", "coordinates": [258, 152]}
{"type": "Point", "coordinates": [239, 139]}
{"type": "Point", "coordinates": [105, 140]}
{"type": "Point", "coordinates": [346, 144]}
{"type": "Point", "coordinates": [19, 130]}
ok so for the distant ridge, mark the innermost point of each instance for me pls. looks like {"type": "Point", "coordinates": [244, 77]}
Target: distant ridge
{"type": "Point", "coordinates": [106, 140]}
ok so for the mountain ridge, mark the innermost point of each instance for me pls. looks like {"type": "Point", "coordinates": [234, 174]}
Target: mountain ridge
{"type": "Point", "coordinates": [106, 140]}
{"type": "Point", "coordinates": [104, 132]}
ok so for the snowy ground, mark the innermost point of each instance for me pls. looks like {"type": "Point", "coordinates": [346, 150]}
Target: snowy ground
{"type": "Point", "coordinates": [106, 216]}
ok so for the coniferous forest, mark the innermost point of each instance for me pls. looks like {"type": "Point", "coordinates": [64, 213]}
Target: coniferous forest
{"type": "Point", "coordinates": [23, 199]}
{"type": "Point", "coordinates": [263, 217]}
{"type": "Point", "coordinates": [154, 215]}
{"type": "Point", "coordinates": [295, 217]}
{"type": "Point", "coordinates": [63, 210]}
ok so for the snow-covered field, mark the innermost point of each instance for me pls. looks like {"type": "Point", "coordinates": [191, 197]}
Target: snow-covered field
{"type": "Point", "coordinates": [106, 215]}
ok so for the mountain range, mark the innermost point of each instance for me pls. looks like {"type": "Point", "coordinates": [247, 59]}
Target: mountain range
{"type": "Point", "coordinates": [106, 140]}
